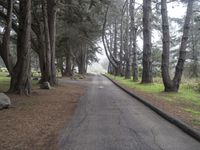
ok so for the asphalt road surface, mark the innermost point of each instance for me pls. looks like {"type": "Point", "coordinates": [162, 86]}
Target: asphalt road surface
{"type": "Point", "coordinates": [109, 119]}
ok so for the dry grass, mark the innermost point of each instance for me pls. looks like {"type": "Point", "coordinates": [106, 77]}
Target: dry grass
{"type": "Point", "coordinates": [34, 122]}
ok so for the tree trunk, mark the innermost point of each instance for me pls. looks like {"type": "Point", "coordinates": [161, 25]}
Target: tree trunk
{"type": "Point", "coordinates": [111, 58]}
{"type": "Point", "coordinates": [133, 39]}
{"type": "Point", "coordinates": [46, 75]}
{"type": "Point", "coordinates": [194, 71]}
{"type": "Point", "coordinates": [173, 85]}
{"type": "Point", "coordinates": [49, 19]}
{"type": "Point", "coordinates": [183, 46]}
{"type": "Point", "coordinates": [5, 47]}
{"type": "Point", "coordinates": [52, 12]}
{"type": "Point", "coordinates": [81, 60]}
{"type": "Point", "coordinates": [68, 64]}
{"type": "Point", "coordinates": [116, 72]}
{"type": "Point", "coordinates": [147, 45]}
{"type": "Point", "coordinates": [127, 48]}
{"type": "Point", "coordinates": [60, 60]}
{"type": "Point", "coordinates": [166, 47]}
{"type": "Point", "coordinates": [21, 77]}
{"type": "Point", "coordinates": [121, 46]}
{"type": "Point", "coordinates": [44, 68]}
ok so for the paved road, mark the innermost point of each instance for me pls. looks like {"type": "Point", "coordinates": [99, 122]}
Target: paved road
{"type": "Point", "coordinates": [108, 119]}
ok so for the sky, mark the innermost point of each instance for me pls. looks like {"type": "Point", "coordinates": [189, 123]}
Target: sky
{"type": "Point", "coordinates": [175, 10]}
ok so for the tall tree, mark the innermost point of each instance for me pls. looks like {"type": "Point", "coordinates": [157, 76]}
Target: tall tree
{"type": "Point", "coordinates": [49, 20]}
{"type": "Point", "coordinates": [147, 76]}
{"type": "Point", "coordinates": [21, 76]}
{"type": "Point", "coordinates": [133, 38]}
{"type": "Point", "coordinates": [173, 85]}
{"type": "Point", "coordinates": [5, 46]}
{"type": "Point", "coordinates": [194, 45]}
{"type": "Point", "coordinates": [127, 46]}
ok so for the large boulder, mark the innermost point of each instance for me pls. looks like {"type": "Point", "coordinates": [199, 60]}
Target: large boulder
{"type": "Point", "coordinates": [45, 85]}
{"type": "Point", "coordinates": [4, 101]}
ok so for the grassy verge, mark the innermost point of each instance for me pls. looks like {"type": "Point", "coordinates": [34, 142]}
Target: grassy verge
{"type": "Point", "coordinates": [4, 81]}
{"type": "Point", "coordinates": [187, 99]}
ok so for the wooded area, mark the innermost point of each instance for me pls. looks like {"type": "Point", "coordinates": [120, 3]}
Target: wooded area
{"type": "Point", "coordinates": [62, 35]}
{"type": "Point", "coordinates": [149, 21]}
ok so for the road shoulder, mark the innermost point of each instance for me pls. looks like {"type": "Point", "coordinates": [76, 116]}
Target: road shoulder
{"type": "Point", "coordinates": [177, 122]}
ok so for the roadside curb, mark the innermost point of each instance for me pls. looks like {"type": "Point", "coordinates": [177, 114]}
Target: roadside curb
{"type": "Point", "coordinates": [183, 126]}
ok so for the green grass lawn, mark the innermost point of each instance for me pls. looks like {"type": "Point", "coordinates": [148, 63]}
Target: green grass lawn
{"type": "Point", "coordinates": [188, 97]}
{"type": "Point", "coordinates": [5, 82]}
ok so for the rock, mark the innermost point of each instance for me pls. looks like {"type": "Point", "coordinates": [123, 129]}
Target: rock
{"type": "Point", "coordinates": [4, 101]}
{"type": "Point", "coordinates": [45, 85]}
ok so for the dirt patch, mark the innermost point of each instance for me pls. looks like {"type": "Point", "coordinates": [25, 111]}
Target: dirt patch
{"type": "Point", "coordinates": [173, 108]}
{"type": "Point", "coordinates": [34, 122]}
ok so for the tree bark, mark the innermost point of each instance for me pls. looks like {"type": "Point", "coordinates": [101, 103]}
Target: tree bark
{"type": "Point", "coordinates": [147, 45]}
{"type": "Point", "coordinates": [52, 13]}
{"type": "Point", "coordinates": [81, 59]}
{"type": "Point", "coordinates": [194, 73]}
{"type": "Point", "coordinates": [173, 85]}
{"type": "Point", "coordinates": [133, 39]}
{"type": "Point", "coordinates": [46, 75]}
{"type": "Point", "coordinates": [183, 46]}
{"type": "Point", "coordinates": [68, 64]}
{"type": "Point", "coordinates": [49, 20]}
{"type": "Point", "coordinates": [116, 71]}
{"type": "Point", "coordinates": [121, 47]}
{"type": "Point", "coordinates": [21, 77]}
{"type": "Point", "coordinates": [5, 46]}
{"type": "Point", "coordinates": [105, 44]}
{"type": "Point", "coordinates": [127, 47]}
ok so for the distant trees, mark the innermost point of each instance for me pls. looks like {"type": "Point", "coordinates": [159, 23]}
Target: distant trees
{"type": "Point", "coordinates": [139, 21]}
{"type": "Point", "coordinates": [123, 50]}
{"type": "Point", "coordinates": [78, 33]}
{"type": "Point", "coordinates": [62, 33]}
{"type": "Point", "coordinates": [65, 36]}
{"type": "Point", "coordinates": [193, 68]}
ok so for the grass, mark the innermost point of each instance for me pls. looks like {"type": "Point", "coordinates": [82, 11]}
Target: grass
{"type": "Point", "coordinates": [184, 93]}
{"type": "Point", "coordinates": [193, 112]}
{"type": "Point", "coordinates": [187, 97]}
{"type": "Point", "coordinates": [196, 122]}
{"type": "Point", "coordinates": [5, 82]}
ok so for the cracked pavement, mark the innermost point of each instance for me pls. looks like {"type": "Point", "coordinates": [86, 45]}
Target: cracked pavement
{"type": "Point", "coordinates": [107, 118]}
